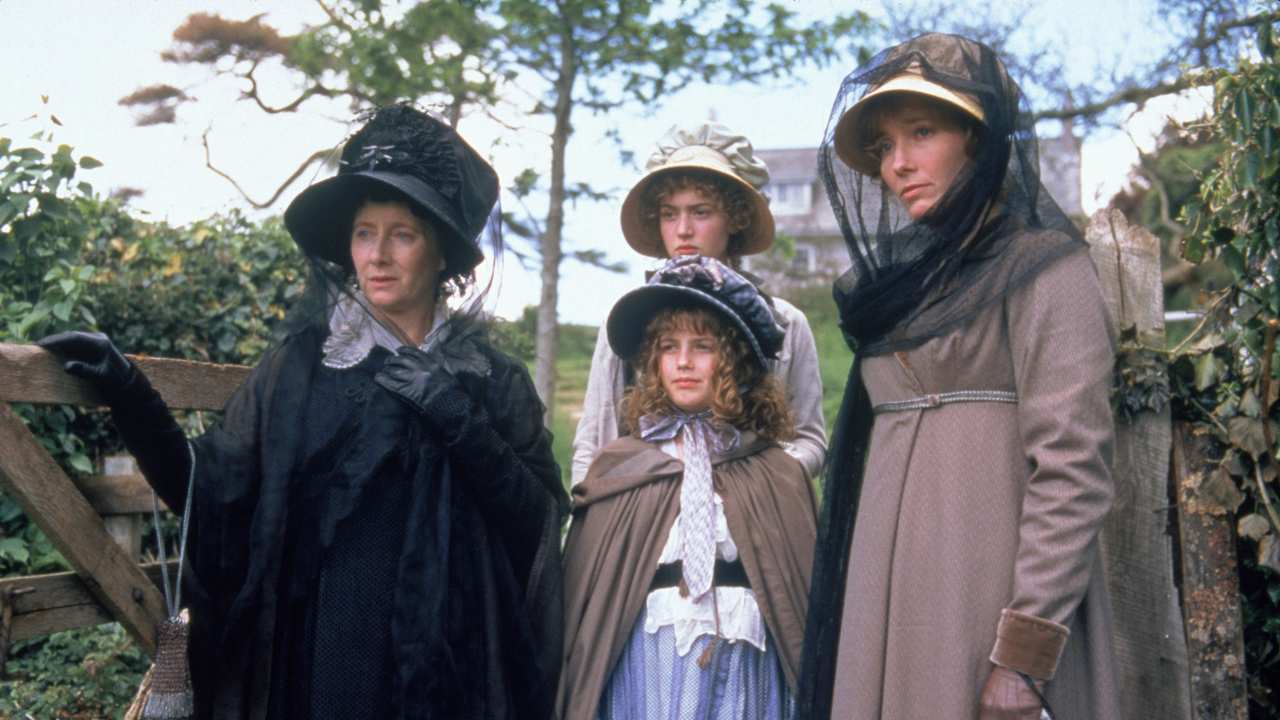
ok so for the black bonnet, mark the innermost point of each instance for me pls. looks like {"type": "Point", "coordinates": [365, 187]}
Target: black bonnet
{"type": "Point", "coordinates": [406, 150]}
{"type": "Point", "coordinates": [695, 281]}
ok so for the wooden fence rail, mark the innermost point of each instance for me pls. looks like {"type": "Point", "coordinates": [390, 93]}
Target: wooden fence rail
{"type": "Point", "coordinates": [70, 512]}
{"type": "Point", "coordinates": [45, 604]}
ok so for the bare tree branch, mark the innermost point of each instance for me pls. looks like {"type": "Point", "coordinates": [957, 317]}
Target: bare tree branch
{"type": "Point", "coordinates": [310, 92]}
{"type": "Point", "coordinates": [1121, 97]}
{"type": "Point", "coordinates": [317, 156]}
{"type": "Point", "coordinates": [333, 17]}
{"type": "Point", "coordinates": [1223, 29]}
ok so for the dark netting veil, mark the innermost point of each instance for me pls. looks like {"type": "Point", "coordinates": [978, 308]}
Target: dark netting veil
{"type": "Point", "coordinates": [993, 230]}
{"type": "Point", "coordinates": [914, 280]}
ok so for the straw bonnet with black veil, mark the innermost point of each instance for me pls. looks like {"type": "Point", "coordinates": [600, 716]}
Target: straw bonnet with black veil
{"type": "Point", "coordinates": [991, 233]}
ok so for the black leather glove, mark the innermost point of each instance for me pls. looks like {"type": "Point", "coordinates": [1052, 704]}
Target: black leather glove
{"type": "Point", "coordinates": [92, 356]}
{"type": "Point", "coordinates": [430, 382]}
{"type": "Point", "coordinates": [145, 423]}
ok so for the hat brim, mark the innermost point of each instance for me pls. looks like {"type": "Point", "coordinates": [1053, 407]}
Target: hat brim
{"type": "Point", "coordinates": [319, 218]}
{"type": "Point", "coordinates": [631, 314]}
{"type": "Point", "coordinates": [849, 130]}
{"type": "Point", "coordinates": [643, 235]}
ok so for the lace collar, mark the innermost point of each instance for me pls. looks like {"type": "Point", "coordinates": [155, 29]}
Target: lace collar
{"type": "Point", "coordinates": [353, 334]}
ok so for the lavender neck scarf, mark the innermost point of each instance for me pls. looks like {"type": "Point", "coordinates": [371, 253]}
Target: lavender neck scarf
{"type": "Point", "coordinates": [701, 438]}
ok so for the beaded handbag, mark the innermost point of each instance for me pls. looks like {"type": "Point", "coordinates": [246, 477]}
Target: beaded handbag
{"type": "Point", "coordinates": [165, 691]}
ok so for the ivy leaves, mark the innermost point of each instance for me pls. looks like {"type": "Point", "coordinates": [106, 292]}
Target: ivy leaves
{"type": "Point", "coordinates": [1231, 385]}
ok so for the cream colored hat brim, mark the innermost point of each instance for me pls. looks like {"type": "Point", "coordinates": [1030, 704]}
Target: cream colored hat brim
{"type": "Point", "coordinates": [645, 238]}
{"type": "Point", "coordinates": [849, 146]}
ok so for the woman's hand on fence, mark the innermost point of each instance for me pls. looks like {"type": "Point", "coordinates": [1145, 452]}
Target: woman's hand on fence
{"type": "Point", "coordinates": [144, 421]}
{"type": "Point", "coordinates": [1007, 697]}
{"type": "Point", "coordinates": [92, 356]}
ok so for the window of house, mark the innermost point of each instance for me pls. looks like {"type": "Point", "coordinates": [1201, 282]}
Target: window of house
{"type": "Point", "coordinates": [793, 198]}
{"type": "Point", "coordinates": [805, 260]}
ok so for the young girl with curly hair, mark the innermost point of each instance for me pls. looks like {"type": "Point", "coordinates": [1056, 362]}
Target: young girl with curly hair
{"type": "Point", "coordinates": [687, 564]}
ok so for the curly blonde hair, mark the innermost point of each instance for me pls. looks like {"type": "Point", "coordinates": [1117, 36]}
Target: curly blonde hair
{"type": "Point", "coordinates": [744, 394]}
{"type": "Point", "coordinates": [727, 195]}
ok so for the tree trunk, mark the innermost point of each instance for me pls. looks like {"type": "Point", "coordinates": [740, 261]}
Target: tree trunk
{"type": "Point", "coordinates": [547, 341]}
{"type": "Point", "coordinates": [1210, 583]}
{"type": "Point", "coordinates": [456, 105]}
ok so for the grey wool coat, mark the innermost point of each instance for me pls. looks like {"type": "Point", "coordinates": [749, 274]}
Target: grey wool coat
{"type": "Point", "coordinates": [977, 532]}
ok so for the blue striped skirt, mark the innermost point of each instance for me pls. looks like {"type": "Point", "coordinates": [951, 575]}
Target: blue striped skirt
{"type": "Point", "coordinates": [652, 681]}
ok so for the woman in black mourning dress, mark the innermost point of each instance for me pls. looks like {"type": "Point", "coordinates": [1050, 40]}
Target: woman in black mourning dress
{"type": "Point", "coordinates": [375, 524]}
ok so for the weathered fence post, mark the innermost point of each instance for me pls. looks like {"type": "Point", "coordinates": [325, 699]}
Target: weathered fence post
{"type": "Point", "coordinates": [126, 529]}
{"type": "Point", "coordinates": [1137, 544]}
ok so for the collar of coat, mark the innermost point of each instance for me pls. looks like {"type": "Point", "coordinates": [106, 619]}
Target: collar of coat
{"type": "Point", "coordinates": [630, 462]}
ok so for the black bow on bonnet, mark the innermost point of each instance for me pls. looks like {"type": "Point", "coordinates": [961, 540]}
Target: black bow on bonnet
{"type": "Point", "coordinates": [396, 140]}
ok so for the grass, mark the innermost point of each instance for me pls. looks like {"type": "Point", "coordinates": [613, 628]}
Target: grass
{"type": "Point", "coordinates": [834, 357]}
{"type": "Point", "coordinates": [574, 362]}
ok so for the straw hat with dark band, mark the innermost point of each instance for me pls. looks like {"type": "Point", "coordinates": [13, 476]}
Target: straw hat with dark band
{"type": "Point", "coordinates": [851, 135]}
{"type": "Point", "coordinates": [711, 148]}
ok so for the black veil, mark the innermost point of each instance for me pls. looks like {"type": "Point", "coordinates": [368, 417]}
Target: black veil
{"type": "Point", "coordinates": [993, 231]}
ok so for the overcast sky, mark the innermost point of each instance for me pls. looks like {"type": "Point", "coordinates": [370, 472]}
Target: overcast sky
{"type": "Point", "coordinates": [84, 55]}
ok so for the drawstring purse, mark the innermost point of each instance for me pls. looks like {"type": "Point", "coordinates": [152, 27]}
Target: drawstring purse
{"type": "Point", "coordinates": [165, 692]}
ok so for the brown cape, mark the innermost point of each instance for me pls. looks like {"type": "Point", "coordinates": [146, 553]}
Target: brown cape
{"type": "Point", "coordinates": [623, 512]}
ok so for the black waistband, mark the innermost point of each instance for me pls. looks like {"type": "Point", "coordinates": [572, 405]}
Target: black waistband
{"type": "Point", "coordinates": [728, 574]}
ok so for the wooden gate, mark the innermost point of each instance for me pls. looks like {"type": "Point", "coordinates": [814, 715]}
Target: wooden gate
{"type": "Point", "coordinates": [108, 584]}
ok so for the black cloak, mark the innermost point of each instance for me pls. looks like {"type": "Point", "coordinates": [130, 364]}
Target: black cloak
{"type": "Point", "coordinates": [323, 501]}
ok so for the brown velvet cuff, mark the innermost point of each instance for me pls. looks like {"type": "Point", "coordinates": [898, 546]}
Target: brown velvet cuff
{"type": "Point", "coordinates": [1028, 644]}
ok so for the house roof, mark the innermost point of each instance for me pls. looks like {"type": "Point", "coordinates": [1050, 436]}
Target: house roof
{"type": "Point", "coordinates": [791, 164]}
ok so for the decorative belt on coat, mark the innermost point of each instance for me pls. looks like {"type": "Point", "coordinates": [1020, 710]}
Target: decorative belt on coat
{"type": "Point", "coordinates": [934, 400]}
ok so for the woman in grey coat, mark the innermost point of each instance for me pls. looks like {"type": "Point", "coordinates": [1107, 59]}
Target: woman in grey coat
{"type": "Point", "coordinates": [958, 573]}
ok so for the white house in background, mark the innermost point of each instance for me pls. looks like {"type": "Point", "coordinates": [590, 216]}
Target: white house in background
{"type": "Point", "coordinates": [801, 210]}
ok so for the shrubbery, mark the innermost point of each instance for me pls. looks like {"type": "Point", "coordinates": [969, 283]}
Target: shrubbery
{"type": "Point", "coordinates": [1230, 383]}
{"type": "Point", "coordinates": [71, 260]}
